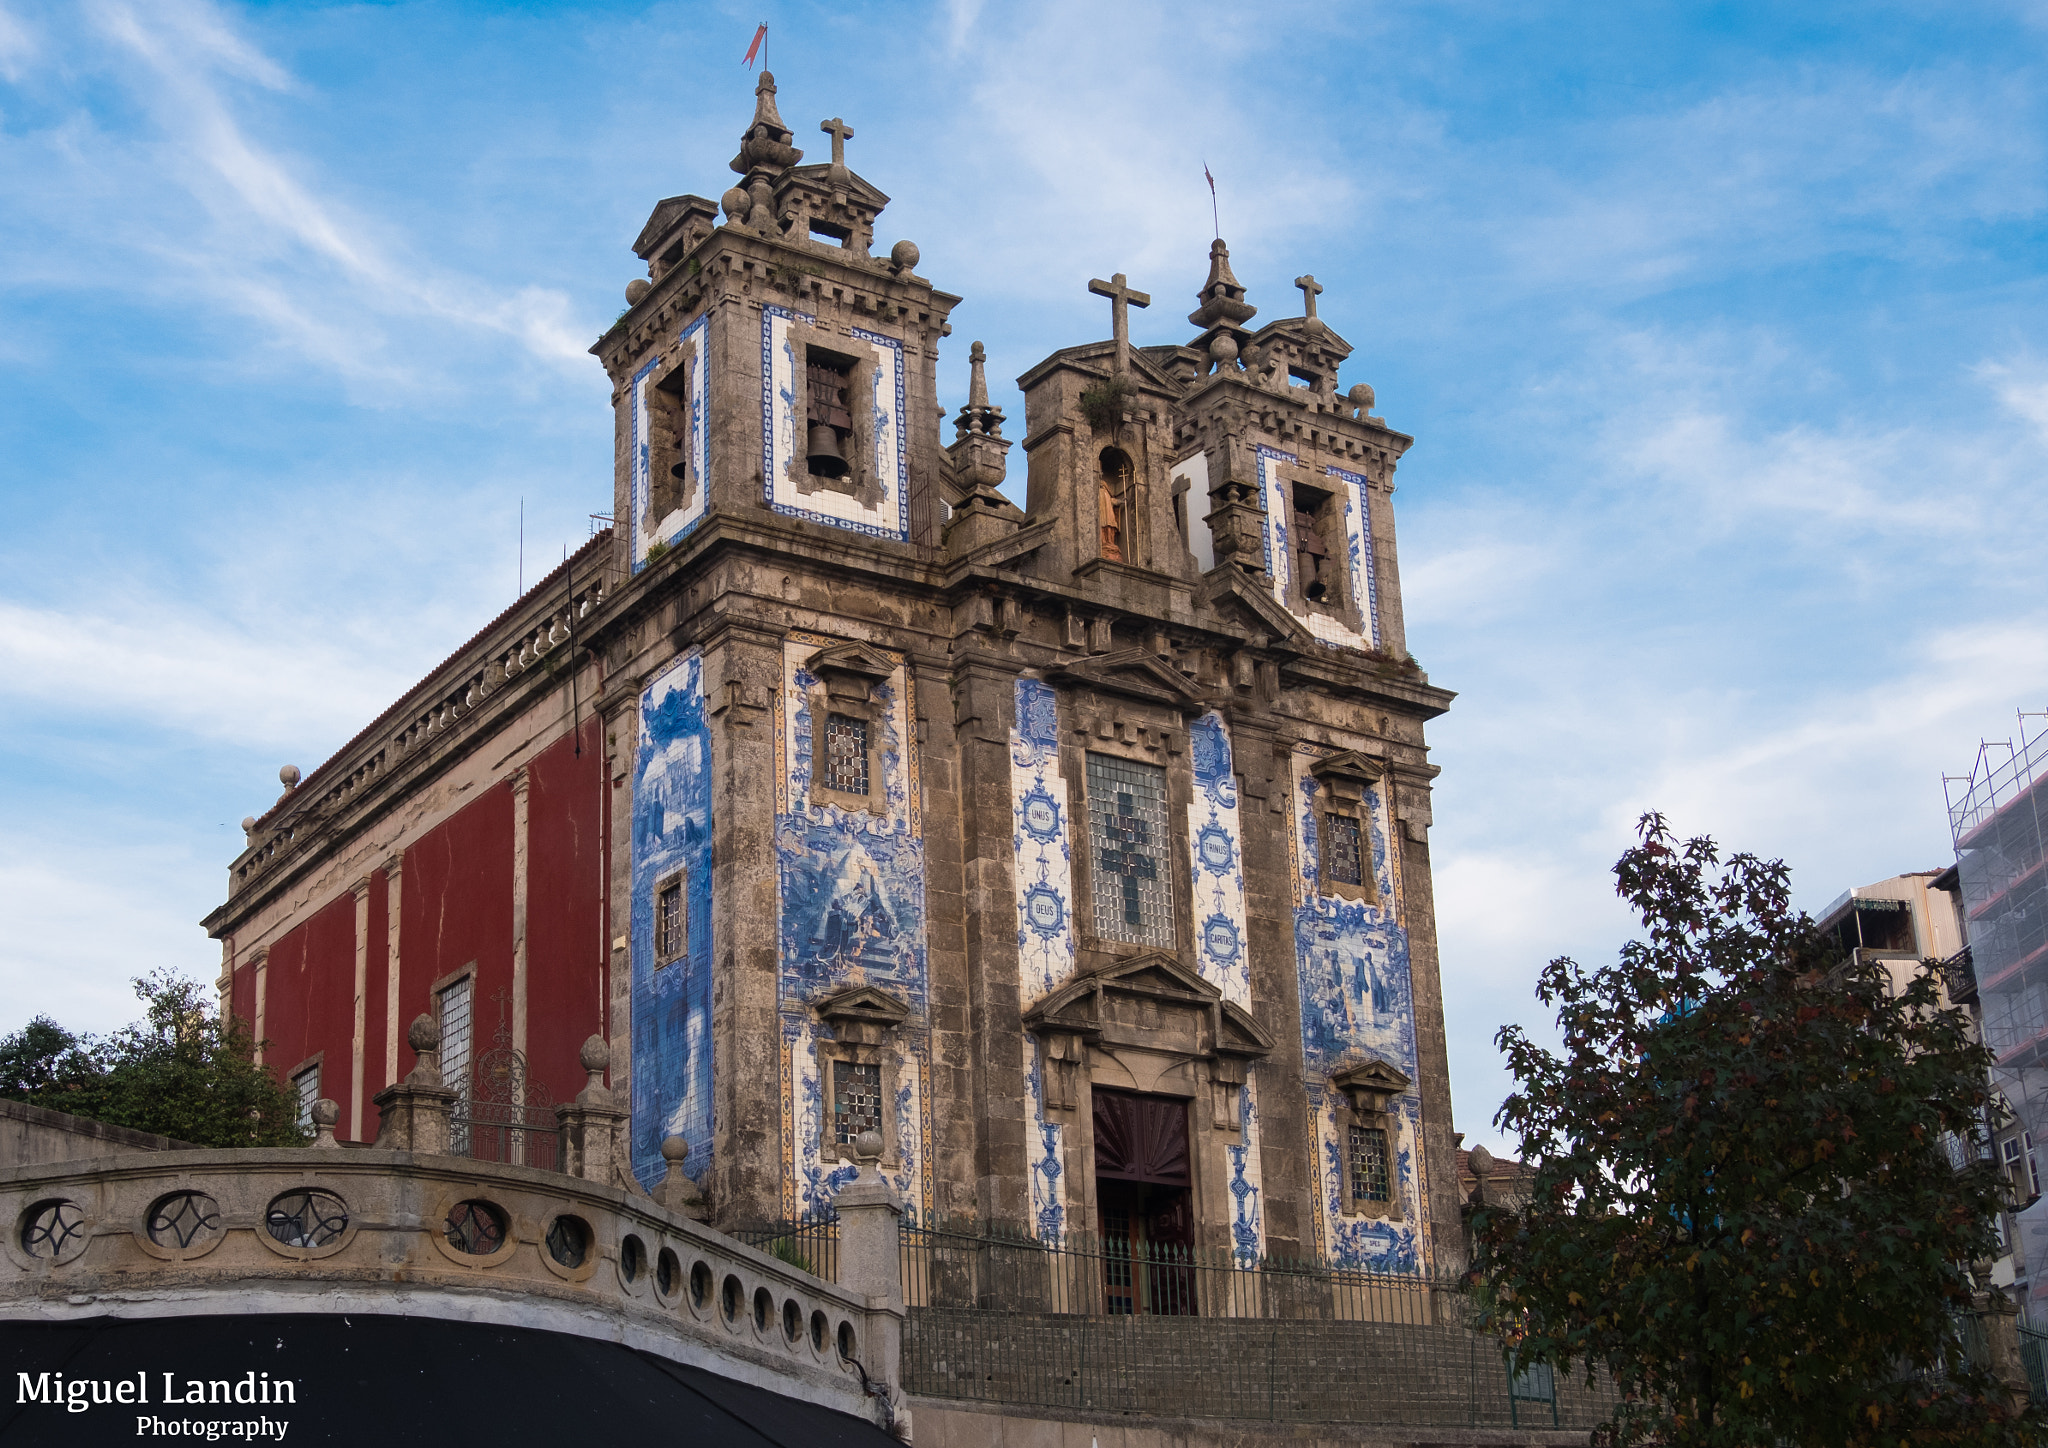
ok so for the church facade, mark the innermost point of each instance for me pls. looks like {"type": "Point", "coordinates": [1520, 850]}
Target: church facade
{"type": "Point", "coordinates": [1080, 850]}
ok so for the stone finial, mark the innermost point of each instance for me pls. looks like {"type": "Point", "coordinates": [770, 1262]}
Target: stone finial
{"type": "Point", "coordinates": [637, 290]}
{"type": "Point", "coordinates": [1479, 1161]}
{"type": "Point", "coordinates": [903, 256]}
{"type": "Point", "coordinates": [289, 777]}
{"type": "Point", "coordinates": [424, 1036]}
{"type": "Point", "coordinates": [735, 203]}
{"type": "Point", "coordinates": [248, 824]}
{"type": "Point", "coordinates": [1222, 296]}
{"type": "Point", "coordinates": [1223, 352]}
{"type": "Point", "coordinates": [1121, 300]}
{"type": "Point", "coordinates": [676, 1191]}
{"type": "Point", "coordinates": [867, 1149]}
{"type": "Point", "coordinates": [325, 1114]}
{"type": "Point", "coordinates": [977, 418]}
{"type": "Point", "coordinates": [596, 1059]}
{"type": "Point", "coordinates": [766, 143]}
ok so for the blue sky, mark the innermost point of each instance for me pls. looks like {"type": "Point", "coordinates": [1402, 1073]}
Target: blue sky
{"type": "Point", "coordinates": [1719, 329]}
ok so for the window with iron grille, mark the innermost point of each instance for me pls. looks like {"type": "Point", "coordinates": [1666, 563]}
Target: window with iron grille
{"type": "Point", "coordinates": [846, 754]}
{"type": "Point", "coordinates": [856, 1100]}
{"type": "Point", "coordinates": [455, 1034]}
{"type": "Point", "coordinates": [671, 921]}
{"type": "Point", "coordinates": [1127, 828]}
{"type": "Point", "coordinates": [307, 1084]}
{"type": "Point", "coordinates": [1370, 1178]}
{"type": "Point", "coordinates": [1345, 860]}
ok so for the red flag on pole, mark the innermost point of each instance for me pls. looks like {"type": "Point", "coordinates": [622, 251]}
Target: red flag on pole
{"type": "Point", "coordinates": [755, 48]}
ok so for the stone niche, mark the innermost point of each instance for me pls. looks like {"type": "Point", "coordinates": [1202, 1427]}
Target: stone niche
{"type": "Point", "coordinates": [1146, 1023]}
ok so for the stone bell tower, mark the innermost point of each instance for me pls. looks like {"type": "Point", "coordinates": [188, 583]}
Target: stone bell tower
{"type": "Point", "coordinates": [774, 362]}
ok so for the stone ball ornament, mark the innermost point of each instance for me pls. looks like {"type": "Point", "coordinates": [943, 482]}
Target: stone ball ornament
{"type": "Point", "coordinates": [637, 290]}
{"type": "Point", "coordinates": [1223, 349]}
{"type": "Point", "coordinates": [735, 203]}
{"type": "Point", "coordinates": [868, 1146]}
{"type": "Point", "coordinates": [1480, 1161]}
{"type": "Point", "coordinates": [674, 1148]}
{"type": "Point", "coordinates": [1361, 397]}
{"type": "Point", "coordinates": [904, 255]}
{"type": "Point", "coordinates": [289, 776]}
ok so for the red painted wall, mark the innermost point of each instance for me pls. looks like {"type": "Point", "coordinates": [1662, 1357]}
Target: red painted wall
{"type": "Point", "coordinates": [565, 903]}
{"type": "Point", "coordinates": [309, 998]}
{"type": "Point", "coordinates": [456, 907]}
{"type": "Point", "coordinates": [242, 993]}
{"type": "Point", "coordinates": [376, 1001]}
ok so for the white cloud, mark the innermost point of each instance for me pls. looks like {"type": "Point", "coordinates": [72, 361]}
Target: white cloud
{"type": "Point", "coordinates": [17, 46]}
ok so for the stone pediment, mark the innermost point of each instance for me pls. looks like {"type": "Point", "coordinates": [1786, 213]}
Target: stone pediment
{"type": "Point", "coordinates": [850, 669]}
{"type": "Point", "coordinates": [1255, 604]}
{"type": "Point", "coordinates": [1078, 1007]}
{"type": "Point", "coordinates": [1370, 1083]}
{"type": "Point", "coordinates": [1348, 774]}
{"type": "Point", "coordinates": [996, 552]}
{"type": "Point", "coordinates": [863, 1015]}
{"type": "Point", "coordinates": [1137, 674]}
{"type": "Point", "coordinates": [1303, 335]}
{"type": "Point", "coordinates": [1082, 358]}
{"type": "Point", "coordinates": [820, 178]}
{"type": "Point", "coordinates": [668, 213]}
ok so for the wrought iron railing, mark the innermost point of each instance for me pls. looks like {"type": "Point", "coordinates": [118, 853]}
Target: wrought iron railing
{"type": "Point", "coordinates": [506, 1131]}
{"type": "Point", "coordinates": [1086, 1275]}
{"type": "Point", "coordinates": [810, 1245]}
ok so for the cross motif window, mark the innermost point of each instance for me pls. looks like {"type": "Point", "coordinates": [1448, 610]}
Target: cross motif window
{"type": "Point", "coordinates": [856, 1100]}
{"type": "Point", "coordinates": [1370, 1179]}
{"type": "Point", "coordinates": [846, 754]}
{"type": "Point", "coordinates": [1128, 832]}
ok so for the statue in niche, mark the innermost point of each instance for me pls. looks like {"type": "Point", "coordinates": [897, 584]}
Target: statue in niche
{"type": "Point", "coordinates": [1314, 555]}
{"type": "Point", "coordinates": [1112, 501]}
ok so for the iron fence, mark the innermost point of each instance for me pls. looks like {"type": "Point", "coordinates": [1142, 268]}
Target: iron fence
{"type": "Point", "coordinates": [506, 1131]}
{"type": "Point", "coordinates": [1087, 1275]}
{"type": "Point", "coordinates": [810, 1245]}
{"type": "Point", "coordinates": [2034, 1358]}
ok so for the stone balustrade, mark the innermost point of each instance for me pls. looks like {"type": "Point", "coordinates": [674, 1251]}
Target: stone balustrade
{"type": "Point", "coordinates": [394, 1230]}
{"type": "Point", "coordinates": [534, 636]}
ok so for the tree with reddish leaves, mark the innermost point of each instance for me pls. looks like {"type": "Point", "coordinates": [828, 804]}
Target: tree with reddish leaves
{"type": "Point", "coordinates": [1742, 1204]}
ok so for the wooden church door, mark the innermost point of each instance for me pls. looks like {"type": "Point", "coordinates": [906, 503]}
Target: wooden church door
{"type": "Point", "coordinates": [1144, 1203]}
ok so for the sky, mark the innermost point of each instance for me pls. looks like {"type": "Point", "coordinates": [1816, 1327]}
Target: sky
{"type": "Point", "coordinates": [1719, 329]}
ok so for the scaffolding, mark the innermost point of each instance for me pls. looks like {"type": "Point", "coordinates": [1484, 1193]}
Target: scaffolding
{"type": "Point", "coordinates": [1998, 815]}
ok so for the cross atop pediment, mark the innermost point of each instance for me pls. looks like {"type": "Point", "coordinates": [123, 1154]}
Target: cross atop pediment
{"type": "Point", "coordinates": [840, 133]}
{"type": "Point", "coordinates": [1121, 300]}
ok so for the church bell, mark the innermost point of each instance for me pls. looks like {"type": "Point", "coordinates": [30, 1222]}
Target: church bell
{"type": "Point", "coordinates": [823, 454]}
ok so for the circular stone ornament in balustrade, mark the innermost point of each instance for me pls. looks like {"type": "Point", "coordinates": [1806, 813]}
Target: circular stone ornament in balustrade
{"type": "Point", "coordinates": [764, 1310]}
{"type": "Point", "coordinates": [700, 1288]}
{"type": "Point", "coordinates": [732, 1297]}
{"type": "Point", "coordinates": [476, 1233]}
{"type": "Point", "coordinates": [821, 1331]}
{"type": "Point", "coordinates": [792, 1322]}
{"type": "Point", "coordinates": [182, 1225]}
{"type": "Point", "coordinates": [668, 1276]}
{"type": "Point", "coordinates": [50, 1232]}
{"type": "Point", "coordinates": [633, 1264]}
{"type": "Point", "coordinates": [306, 1223]}
{"type": "Point", "coordinates": [849, 1345]}
{"type": "Point", "coordinates": [570, 1248]}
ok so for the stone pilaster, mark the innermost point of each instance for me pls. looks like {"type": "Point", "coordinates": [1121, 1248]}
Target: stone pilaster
{"type": "Point", "coordinates": [361, 890]}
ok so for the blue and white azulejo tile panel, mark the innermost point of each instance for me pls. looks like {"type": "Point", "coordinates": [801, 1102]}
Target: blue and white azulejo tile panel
{"type": "Point", "coordinates": [1357, 1004]}
{"type": "Point", "coordinates": [784, 436]}
{"type": "Point", "coordinates": [646, 530]}
{"type": "Point", "coordinates": [1278, 499]}
{"type": "Point", "coordinates": [1042, 840]}
{"type": "Point", "coordinates": [671, 1076]}
{"type": "Point", "coordinates": [1244, 1186]}
{"type": "Point", "coordinates": [851, 912]}
{"type": "Point", "coordinates": [1222, 947]}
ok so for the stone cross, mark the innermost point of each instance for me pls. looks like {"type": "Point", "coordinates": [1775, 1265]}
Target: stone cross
{"type": "Point", "coordinates": [840, 133]}
{"type": "Point", "coordinates": [1121, 300]}
{"type": "Point", "coordinates": [1310, 290]}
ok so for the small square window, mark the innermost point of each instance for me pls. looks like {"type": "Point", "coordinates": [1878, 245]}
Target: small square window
{"type": "Point", "coordinates": [856, 1100]}
{"type": "Point", "coordinates": [1346, 863]}
{"type": "Point", "coordinates": [1370, 1179]}
{"type": "Point", "coordinates": [671, 921]}
{"type": "Point", "coordinates": [1129, 836]}
{"type": "Point", "coordinates": [846, 754]}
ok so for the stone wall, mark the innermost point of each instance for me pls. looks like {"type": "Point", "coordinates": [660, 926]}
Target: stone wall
{"type": "Point", "coordinates": [35, 1135]}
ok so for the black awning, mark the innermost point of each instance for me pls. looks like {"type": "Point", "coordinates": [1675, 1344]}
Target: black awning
{"type": "Point", "coordinates": [364, 1379]}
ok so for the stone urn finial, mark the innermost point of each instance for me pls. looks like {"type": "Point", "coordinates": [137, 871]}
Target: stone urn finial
{"type": "Point", "coordinates": [424, 1035]}
{"type": "Point", "coordinates": [325, 1114]}
{"type": "Point", "coordinates": [867, 1148]}
{"type": "Point", "coordinates": [676, 1191]}
{"type": "Point", "coordinates": [596, 1059]}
